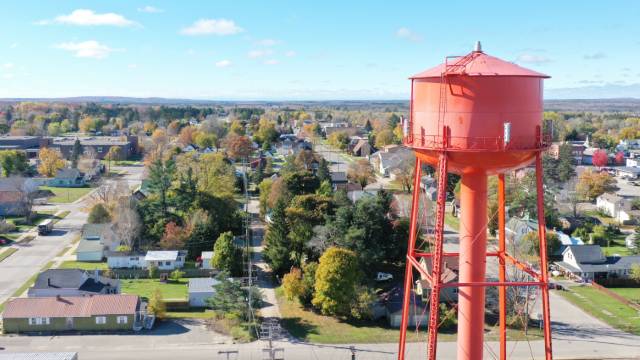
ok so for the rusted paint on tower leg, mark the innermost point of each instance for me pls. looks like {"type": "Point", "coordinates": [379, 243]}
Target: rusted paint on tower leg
{"type": "Point", "coordinates": [413, 232]}
{"type": "Point", "coordinates": [502, 291]}
{"type": "Point", "coordinates": [546, 315]}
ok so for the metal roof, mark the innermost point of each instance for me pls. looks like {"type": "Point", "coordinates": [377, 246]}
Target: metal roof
{"type": "Point", "coordinates": [202, 285]}
{"type": "Point", "coordinates": [480, 64]}
{"type": "Point", "coordinates": [207, 254]}
{"type": "Point", "coordinates": [166, 255]}
{"type": "Point", "coordinates": [71, 306]}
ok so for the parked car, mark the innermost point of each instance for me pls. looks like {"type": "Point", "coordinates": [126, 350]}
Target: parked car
{"type": "Point", "coordinates": [45, 227]}
{"type": "Point", "coordinates": [383, 276]}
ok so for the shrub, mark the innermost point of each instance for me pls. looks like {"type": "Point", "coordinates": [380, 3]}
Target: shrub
{"type": "Point", "coordinates": [448, 317]}
{"type": "Point", "coordinates": [6, 227]}
{"type": "Point", "coordinates": [99, 214]}
{"type": "Point", "coordinates": [176, 275]}
{"type": "Point", "coordinates": [336, 279]}
{"type": "Point", "coordinates": [153, 271]}
{"type": "Point", "coordinates": [293, 285]}
{"type": "Point", "coordinates": [362, 307]}
{"type": "Point", "coordinates": [156, 305]}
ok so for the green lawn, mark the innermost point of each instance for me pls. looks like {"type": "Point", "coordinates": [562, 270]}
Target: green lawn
{"type": "Point", "coordinates": [21, 221]}
{"type": "Point", "coordinates": [632, 294]}
{"type": "Point", "coordinates": [452, 221]}
{"type": "Point", "coordinates": [66, 195]}
{"type": "Point", "coordinates": [194, 313]}
{"type": "Point", "coordinates": [83, 265]}
{"type": "Point", "coordinates": [604, 307]}
{"type": "Point", "coordinates": [617, 246]}
{"type": "Point", "coordinates": [146, 287]}
{"type": "Point", "coordinates": [6, 253]}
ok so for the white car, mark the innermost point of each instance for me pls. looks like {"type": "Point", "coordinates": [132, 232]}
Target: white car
{"type": "Point", "coordinates": [382, 276]}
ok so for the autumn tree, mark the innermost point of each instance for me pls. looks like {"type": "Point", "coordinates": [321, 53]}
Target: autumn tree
{"type": "Point", "coordinates": [384, 137]}
{"type": "Point", "coordinates": [174, 236]}
{"type": "Point", "coordinates": [361, 172]}
{"type": "Point", "coordinates": [292, 284]}
{"type": "Point", "coordinates": [592, 184]}
{"type": "Point", "coordinates": [50, 162]}
{"type": "Point", "coordinates": [338, 139]}
{"type": "Point", "coordinates": [238, 146]}
{"type": "Point", "coordinates": [157, 305]}
{"type": "Point", "coordinates": [337, 276]}
{"type": "Point", "coordinates": [113, 154]}
{"type": "Point", "coordinates": [619, 159]}
{"type": "Point", "coordinates": [126, 224]}
{"type": "Point", "coordinates": [600, 158]}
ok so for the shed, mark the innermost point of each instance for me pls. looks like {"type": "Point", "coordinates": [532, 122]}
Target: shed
{"type": "Point", "coordinates": [201, 289]}
{"type": "Point", "coordinates": [206, 259]}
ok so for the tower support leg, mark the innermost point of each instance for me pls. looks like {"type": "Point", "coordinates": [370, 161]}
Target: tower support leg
{"type": "Point", "coordinates": [408, 278]}
{"type": "Point", "coordinates": [473, 246]}
{"type": "Point", "coordinates": [436, 261]}
{"type": "Point", "coordinates": [542, 229]}
{"type": "Point", "coordinates": [502, 274]}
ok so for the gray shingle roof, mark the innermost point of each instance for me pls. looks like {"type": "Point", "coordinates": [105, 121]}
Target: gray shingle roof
{"type": "Point", "coordinates": [68, 174]}
{"type": "Point", "coordinates": [93, 230]}
{"type": "Point", "coordinates": [586, 254]}
{"type": "Point", "coordinates": [202, 284]}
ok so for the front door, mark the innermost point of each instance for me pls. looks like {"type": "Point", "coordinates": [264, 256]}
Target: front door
{"type": "Point", "coordinates": [69, 323]}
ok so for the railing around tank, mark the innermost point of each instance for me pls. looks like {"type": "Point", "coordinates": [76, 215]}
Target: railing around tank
{"type": "Point", "coordinates": [476, 143]}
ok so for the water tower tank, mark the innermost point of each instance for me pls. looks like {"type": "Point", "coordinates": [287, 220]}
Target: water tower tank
{"type": "Point", "coordinates": [492, 108]}
{"type": "Point", "coordinates": [474, 115]}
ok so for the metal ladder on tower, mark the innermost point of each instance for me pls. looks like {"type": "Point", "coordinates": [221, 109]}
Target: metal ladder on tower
{"type": "Point", "coordinates": [436, 259]}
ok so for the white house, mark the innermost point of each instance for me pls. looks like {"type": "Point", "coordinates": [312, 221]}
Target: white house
{"type": "Point", "coordinates": [628, 216]}
{"type": "Point", "coordinates": [201, 289]}
{"type": "Point", "coordinates": [165, 259]}
{"type": "Point", "coordinates": [125, 260]}
{"type": "Point", "coordinates": [609, 203]}
{"type": "Point", "coordinates": [587, 262]}
{"type": "Point", "coordinates": [635, 162]}
{"type": "Point", "coordinates": [206, 259]}
{"type": "Point", "coordinates": [94, 241]}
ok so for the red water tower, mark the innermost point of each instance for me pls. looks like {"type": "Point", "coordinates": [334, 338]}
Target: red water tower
{"type": "Point", "coordinates": [474, 115]}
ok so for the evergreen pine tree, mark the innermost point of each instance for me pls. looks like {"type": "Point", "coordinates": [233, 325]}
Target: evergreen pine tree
{"type": "Point", "coordinates": [323, 173]}
{"type": "Point", "coordinates": [75, 153]}
{"type": "Point", "coordinates": [277, 241]}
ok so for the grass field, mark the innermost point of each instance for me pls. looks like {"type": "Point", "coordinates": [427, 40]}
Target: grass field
{"type": "Point", "coordinates": [146, 287]}
{"type": "Point", "coordinates": [83, 265]}
{"type": "Point", "coordinates": [6, 253]}
{"type": "Point", "coordinates": [632, 294]}
{"type": "Point", "coordinates": [604, 307]}
{"type": "Point", "coordinates": [66, 195]}
{"type": "Point", "coordinates": [191, 314]}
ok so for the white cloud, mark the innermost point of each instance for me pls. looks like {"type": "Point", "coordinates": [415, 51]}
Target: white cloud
{"type": "Point", "coordinates": [271, 62]}
{"type": "Point", "coordinates": [212, 27]}
{"type": "Point", "coordinates": [85, 17]}
{"type": "Point", "coordinates": [268, 42]}
{"type": "Point", "coordinates": [408, 34]}
{"type": "Point", "coordinates": [595, 56]}
{"type": "Point", "coordinates": [532, 59]}
{"type": "Point", "coordinates": [254, 54]}
{"type": "Point", "coordinates": [87, 49]}
{"type": "Point", "coordinates": [223, 63]}
{"type": "Point", "coordinates": [7, 66]}
{"type": "Point", "coordinates": [290, 53]}
{"type": "Point", "coordinates": [150, 9]}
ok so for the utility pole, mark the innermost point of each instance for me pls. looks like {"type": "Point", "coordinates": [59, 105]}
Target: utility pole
{"type": "Point", "coordinates": [247, 239]}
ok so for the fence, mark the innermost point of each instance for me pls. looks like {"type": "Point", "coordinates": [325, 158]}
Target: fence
{"type": "Point", "coordinates": [144, 274]}
{"type": "Point", "coordinates": [614, 295]}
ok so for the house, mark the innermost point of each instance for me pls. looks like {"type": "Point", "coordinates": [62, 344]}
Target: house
{"type": "Point", "coordinates": [362, 148]}
{"type": "Point", "coordinates": [190, 148]}
{"type": "Point", "coordinates": [72, 282]}
{"type": "Point", "coordinates": [516, 228]}
{"type": "Point", "coordinates": [68, 178]}
{"type": "Point", "coordinates": [566, 240]}
{"type": "Point", "coordinates": [206, 259]}
{"type": "Point", "coordinates": [201, 289]}
{"type": "Point", "coordinates": [577, 150]}
{"type": "Point", "coordinates": [618, 207]}
{"type": "Point", "coordinates": [142, 191]}
{"type": "Point", "coordinates": [125, 260]}
{"type": "Point", "coordinates": [449, 274]}
{"type": "Point", "coordinates": [339, 180]}
{"type": "Point", "coordinates": [587, 155]}
{"type": "Point", "coordinates": [73, 313]}
{"type": "Point", "coordinates": [587, 262]}
{"type": "Point", "coordinates": [128, 145]}
{"type": "Point", "coordinates": [39, 356]}
{"type": "Point", "coordinates": [389, 158]}
{"type": "Point", "coordinates": [166, 259]}
{"type": "Point", "coordinates": [355, 195]}
{"type": "Point", "coordinates": [633, 162]}
{"type": "Point", "coordinates": [392, 301]}
{"type": "Point", "coordinates": [16, 194]}
{"type": "Point", "coordinates": [94, 240]}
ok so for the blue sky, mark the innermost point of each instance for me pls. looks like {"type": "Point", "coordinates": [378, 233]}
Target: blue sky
{"type": "Point", "coordinates": [279, 50]}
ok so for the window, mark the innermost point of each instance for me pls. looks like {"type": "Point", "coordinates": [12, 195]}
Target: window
{"type": "Point", "coordinates": [167, 263]}
{"type": "Point", "coordinates": [122, 319]}
{"type": "Point", "coordinates": [101, 320]}
{"type": "Point", "coordinates": [99, 149]}
{"type": "Point", "coordinates": [39, 321]}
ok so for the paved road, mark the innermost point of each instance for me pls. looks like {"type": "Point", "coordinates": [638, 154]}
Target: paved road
{"type": "Point", "coordinates": [32, 256]}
